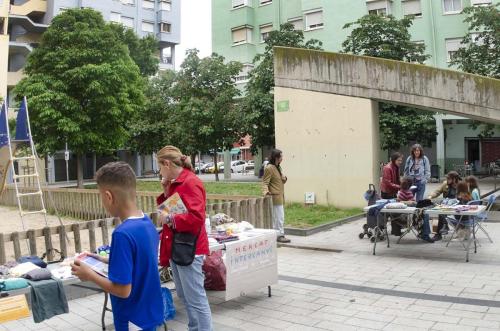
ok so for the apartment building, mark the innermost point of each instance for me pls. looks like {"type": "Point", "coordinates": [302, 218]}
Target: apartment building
{"type": "Point", "coordinates": [240, 27]}
{"type": "Point", "coordinates": [22, 23]}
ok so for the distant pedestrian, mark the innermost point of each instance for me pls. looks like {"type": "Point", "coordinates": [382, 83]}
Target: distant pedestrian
{"type": "Point", "coordinates": [273, 184]}
{"type": "Point", "coordinates": [390, 177]}
{"type": "Point", "coordinates": [418, 168]}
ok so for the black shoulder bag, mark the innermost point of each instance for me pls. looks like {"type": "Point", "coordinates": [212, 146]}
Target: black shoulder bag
{"type": "Point", "coordinates": [184, 247]}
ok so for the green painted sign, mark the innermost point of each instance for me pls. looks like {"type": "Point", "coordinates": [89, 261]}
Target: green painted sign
{"type": "Point", "coordinates": [283, 106]}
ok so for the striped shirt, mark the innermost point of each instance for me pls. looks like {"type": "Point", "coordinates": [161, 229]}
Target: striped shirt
{"type": "Point", "coordinates": [405, 195]}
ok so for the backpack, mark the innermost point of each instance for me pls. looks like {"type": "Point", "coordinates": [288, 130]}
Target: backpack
{"type": "Point", "coordinates": [371, 195]}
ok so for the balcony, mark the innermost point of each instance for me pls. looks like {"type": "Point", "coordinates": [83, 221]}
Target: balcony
{"type": "Point", "coordinates": [13, 77]}
{"type": "Point", "coordinates": [242, 16]}
{"type": "Point", "coordinates": [168, 38]}
{"type": "Point", "coordinates": [166, 63]}
{"type": "Point", "coordinates": [37, 7]}
{"type": "Point", "coordinates": [27, 23]}
{"type": "Point", "coordinates": [16, 47]}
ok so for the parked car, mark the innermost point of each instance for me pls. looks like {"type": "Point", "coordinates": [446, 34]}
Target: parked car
{"type": "Point", "coordinates": [250, 165]}
{"type": "Point", "coordinates": [198, 166]}
{"type": "Point", "coordinates": [206, 167]}
{"type": "Point", "coordinates": [211, 169]}
{"type": "Point", "coordinates": [238, 166]}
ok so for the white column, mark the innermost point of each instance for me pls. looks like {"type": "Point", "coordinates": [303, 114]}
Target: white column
{"type": "Point", "coordinates": [440, 146]}
{"type": "Point", "coordinates": [51, 171]}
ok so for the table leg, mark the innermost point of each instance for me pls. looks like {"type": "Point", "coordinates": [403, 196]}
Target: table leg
{"type": "Point", "coordinates": [474, 236]}
{"type": "Point", "coordinates": [376, 231]}
{"type": "Point", "coordinates": [269, 291]}
{"type": "Point", "coordinates": [104, 309]}
{"type": "Point", "coordinates": [385, 230]}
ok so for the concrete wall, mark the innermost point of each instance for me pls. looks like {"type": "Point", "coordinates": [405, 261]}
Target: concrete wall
{"type": "Point", "coordinates": [398, 82]}
{"type": "Point", "coordinates": [330, 146]}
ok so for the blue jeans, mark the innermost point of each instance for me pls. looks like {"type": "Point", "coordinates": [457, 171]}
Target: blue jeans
{"type": "Point", "coordinates": [189, 283]}
{"type": "Point", "coordinates": [426, 229]}
{"type": "Point", "coordinates": [420, 190]}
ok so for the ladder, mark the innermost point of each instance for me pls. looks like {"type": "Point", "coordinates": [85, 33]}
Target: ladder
{"type": "Point", "coordinates": [23, 135]}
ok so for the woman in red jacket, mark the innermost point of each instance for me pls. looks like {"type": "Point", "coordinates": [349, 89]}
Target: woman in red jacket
{"type": "Point", "coordinates": [390, 177]}
{"type": "Point", "coordinates": [178, 177]}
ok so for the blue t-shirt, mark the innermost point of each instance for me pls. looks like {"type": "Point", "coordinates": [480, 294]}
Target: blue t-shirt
{"type": "Point", "coordinates": [134, 260]}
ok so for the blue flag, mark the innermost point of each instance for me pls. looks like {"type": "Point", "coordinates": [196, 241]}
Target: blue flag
{"type": "Point", "coordinates": [4, 138]}
{"type": "Point", "coordinates": [22, 123]}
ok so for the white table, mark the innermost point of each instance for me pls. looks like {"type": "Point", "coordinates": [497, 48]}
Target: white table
{"type": "Point", "coordinates": [251, 263]}
{"type": "Point", "coordinates": [453, 212]}
{"type": "Point", "coordinates": [408, 212]}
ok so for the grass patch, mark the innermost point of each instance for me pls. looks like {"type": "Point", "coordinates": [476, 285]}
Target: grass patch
{"type": "Point", "coordinates": [227, 188]}
{"type": "Point", "coordinates": [299, 216]}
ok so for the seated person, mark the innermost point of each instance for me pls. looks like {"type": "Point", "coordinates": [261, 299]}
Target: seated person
{"type": "Point", "coordinates": [473, 187]}
{"type": "Point", "coordinates": [404, 195]}
{"type": "Point", "coordinates": [449, 190]}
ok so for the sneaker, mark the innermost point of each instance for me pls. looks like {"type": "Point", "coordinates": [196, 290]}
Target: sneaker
{"type": "Point", "coordinates": [428, 239]}
{"type": "Point", "coordinates": [437, 237]}
{"type": "Point", "coordinates": [283, 240]}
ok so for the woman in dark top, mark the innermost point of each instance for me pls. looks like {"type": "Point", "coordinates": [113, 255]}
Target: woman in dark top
{"type": "Point", "coordinates": [390, 184]}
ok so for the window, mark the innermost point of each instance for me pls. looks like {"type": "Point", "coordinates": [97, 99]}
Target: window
{"type": "Point", "coordinates": [378, 7]}
{"type": "Point", "coordinates": [148, 4]}
{"type": "Point", "coordinates": [480, 2]}
{"type": "Point", "coordinates": [166, 55]}
{"type": "Point", "coordinates": [115, 17]}
{"type": "Point", "coordinates": [452, 46]}
{"type": "Point", "coordinates": [412, 7]}
{"type": "Point", "coordinates": [265, 2]}
{"type": "Point", "coordinates": [242, 35]}
{"type": "Point", "coordinates": [264, 32]}
{"type": "Point", "coordinates": [298, 23]}
{"type": "Point", "coordinates": [165, 5]}
{"type": "Point", "coordinates": [128, 22]}
{"type": "Point", "coordinates": [165, 27]}
{"type": "Point", "coordinates": [243, 76]}
{"type": "Point", "coordinates": [314, 20]}
{"type": "Point", "coordinates": [128, 2]}
{"type": "Point", "coordinates": [452, 6]}
{"type": "Point", "coordinates": [240, 3]}
{"type": "Point", "coordinates": [148, 26]}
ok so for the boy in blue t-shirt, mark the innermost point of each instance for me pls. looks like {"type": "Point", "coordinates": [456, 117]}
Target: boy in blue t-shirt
{"type": "Point", "coordinates": [133, 281]}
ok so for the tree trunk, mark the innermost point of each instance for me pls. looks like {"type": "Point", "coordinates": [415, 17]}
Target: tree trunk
{"type": "Point", "coordinates": [216, 169]}
{"type": "Point", "coordinates": [79, 170]}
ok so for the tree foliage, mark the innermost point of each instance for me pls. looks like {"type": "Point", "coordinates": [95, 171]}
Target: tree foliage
{"type": "Point", "coordinates": [388, 37]}
{"type": "Point", "coordinates": [194, 109]}
{"type": "Point", "coordinates": [142, 50]}
{"type": "Point", "coordinates": [258, 104]}
{"type": "Point", "coordinates": [82, 86]}
{"type": "Point", "coordinates": [480, 53]}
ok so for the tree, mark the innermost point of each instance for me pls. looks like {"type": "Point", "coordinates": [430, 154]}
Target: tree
{"type": "Point", "coordinates": [480, 53]}
{"type": "Point", "coordinates": [82, 86]}
{"type": "Point", "coordinates": [207, 117]}
{"type": "Point", "coordinates": [388, 37]}
{"type": "Point", "coordinates": [150, 128]}
{"type": "Point", "coordinates": [142, 50]}
{"type": "Point", "coordinates": [258, 104]}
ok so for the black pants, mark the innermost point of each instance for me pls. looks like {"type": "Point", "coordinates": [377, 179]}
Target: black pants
{"type": "Point", "coordinates": [388, 196]}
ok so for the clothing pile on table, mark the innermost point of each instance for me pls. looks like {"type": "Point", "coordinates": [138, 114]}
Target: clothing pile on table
{"type": "Point", "coordinates": [47, 294]}
{"type": "Point", "coordinates": [227, 227]}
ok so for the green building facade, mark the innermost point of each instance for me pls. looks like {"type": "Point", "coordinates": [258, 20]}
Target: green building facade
{"type": "Point", "coordinates": [239, 28]}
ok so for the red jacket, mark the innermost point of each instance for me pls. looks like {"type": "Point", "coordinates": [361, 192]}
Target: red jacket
{"type": "Point", "coordinates": [390, 179]}
{"type": "Point", "coordinates": [192, 193]}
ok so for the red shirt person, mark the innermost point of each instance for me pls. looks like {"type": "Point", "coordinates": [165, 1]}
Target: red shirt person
{"type": "Point", "coordinates": [390, 177]}
{"type": "Point", "coordinates": [178, 177]}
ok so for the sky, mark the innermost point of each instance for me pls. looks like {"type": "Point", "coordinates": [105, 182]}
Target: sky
{"type": "Point", "coordinates": [196, 29]}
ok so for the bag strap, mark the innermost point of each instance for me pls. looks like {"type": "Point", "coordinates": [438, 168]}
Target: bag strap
{"type": "Point", "coordinates": [55, 250]}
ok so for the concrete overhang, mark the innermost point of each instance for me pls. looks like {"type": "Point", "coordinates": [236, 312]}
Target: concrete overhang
{"type": "Point", "coordinates": [19, 48]}
{"type": "Point", "coordinates": [27, 23]}
{"type": "Point", "coordinates": [408, 84]}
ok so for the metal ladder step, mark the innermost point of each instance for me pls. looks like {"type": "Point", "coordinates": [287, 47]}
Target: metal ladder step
{"type": "Point", "coordinates": [29, 194]}
{"type": "Point", "coordinates": [43, 211]}
{"type": "Point", "coordinates": [32, 157]}
{"type": "Point", "coordinates": [25, 176]}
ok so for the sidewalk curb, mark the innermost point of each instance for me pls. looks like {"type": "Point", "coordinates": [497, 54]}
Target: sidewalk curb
{"type": "Point", "coordinates": [322, 227]}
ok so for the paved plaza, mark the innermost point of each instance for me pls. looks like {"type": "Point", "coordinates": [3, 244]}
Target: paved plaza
{"type": "Point", "coordinates": [333, 282]}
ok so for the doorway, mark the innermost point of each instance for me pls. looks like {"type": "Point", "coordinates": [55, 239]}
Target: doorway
{"type": "Point", "coordinates": [473, 153]}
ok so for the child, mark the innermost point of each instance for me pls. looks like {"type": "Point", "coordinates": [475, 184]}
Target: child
{"type": "Point", "coordinates": [473, 187]}
{"type": "Point", "coordinates": [405, 194]}
{"type": "Point", "coordinates": [133, 280]}
{"type": "Point", "coordinates": [463, 194]}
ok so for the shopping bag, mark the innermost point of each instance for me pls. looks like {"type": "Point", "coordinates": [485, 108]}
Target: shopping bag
{"type": "Point", "coordinates": [168, 304]}
{"type": "Point", "coordinates": [215, 272]}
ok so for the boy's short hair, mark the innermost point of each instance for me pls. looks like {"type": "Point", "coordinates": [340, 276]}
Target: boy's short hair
{"type": "Point", "coordinates": [119, 178]}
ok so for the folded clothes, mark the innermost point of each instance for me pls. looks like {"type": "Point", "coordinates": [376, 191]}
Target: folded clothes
{"type": "Point", "coordinates": [38, 274]}
{"type": "Point", "coordinates": [11, 264]}
{"type": "Point", "coordinates": [23, 268]}
{"type": "Point", "coordinates": [62, 273]}
{"type": "Point", "coordinates": [13, 284]}
{"type": "Point", "coordinates": [33, 259]}
{"type": "Point", "coordinates": [4, 271]}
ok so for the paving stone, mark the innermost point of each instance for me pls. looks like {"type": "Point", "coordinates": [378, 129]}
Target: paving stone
{"type": "Point", "coordinates": [399, 327]}
{"type": "Point", "coordinates": [365, 323]}
{"type": "Point", "coordinates": [335, 326]}
{"type": "Point", "coordinates": [413, 322]}
{"type": "Point", "coordinates": [452, 327]}
{"type": "Point", "coordinates": [479, 322]}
